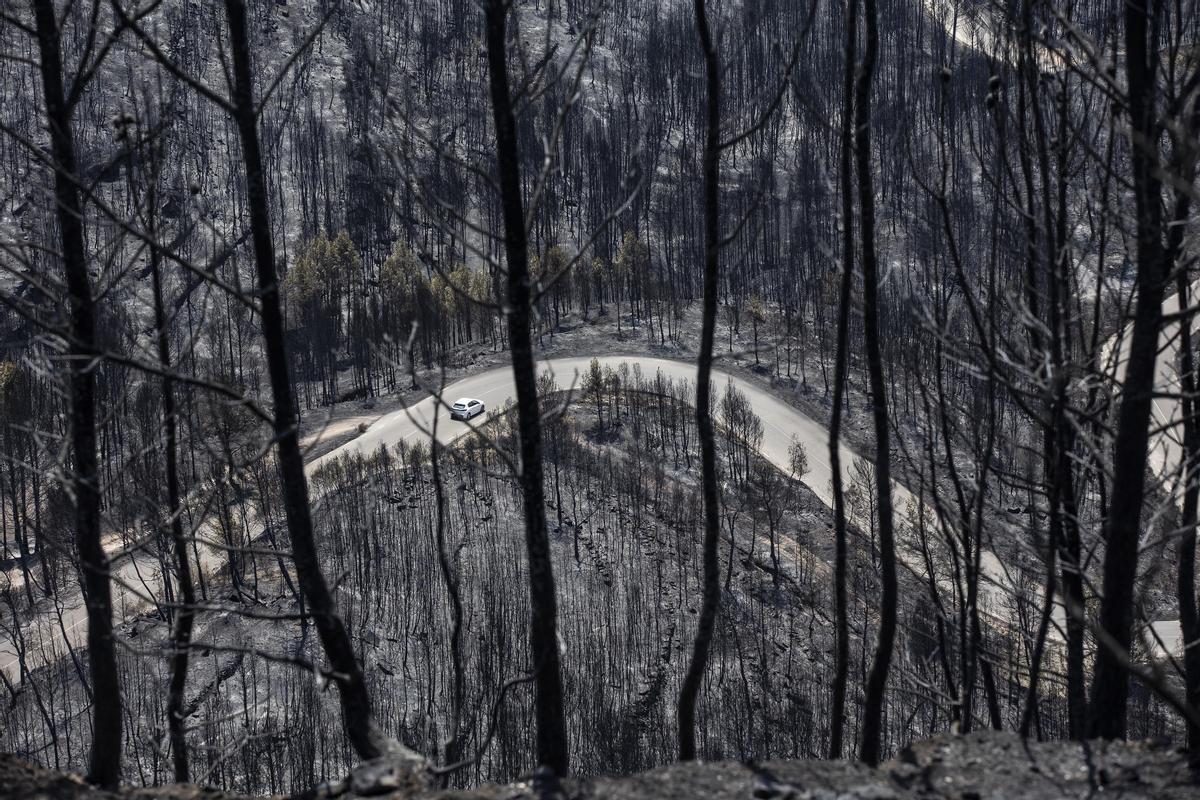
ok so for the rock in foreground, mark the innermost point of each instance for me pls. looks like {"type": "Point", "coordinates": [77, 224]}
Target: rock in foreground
{"type": "Point", "coordinates": [980, 766]}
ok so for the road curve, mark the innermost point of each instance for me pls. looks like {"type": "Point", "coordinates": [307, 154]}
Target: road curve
{"type": "Point", "coordinates": [47, 636]}
{"type": "Point", "coordinates": [781, 423]}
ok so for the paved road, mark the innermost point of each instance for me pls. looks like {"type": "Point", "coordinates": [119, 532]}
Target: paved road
{"type": "Point", "coordinates": [47, 636]}
{"type": "Point", "coordinates": [781, 422]}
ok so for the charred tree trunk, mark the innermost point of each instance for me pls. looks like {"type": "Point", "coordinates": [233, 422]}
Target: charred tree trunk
{"type": "Point", "coordinates": [841, 658]}
{"type": "Point", "coordinates": [881, 664]}
{"type": "Point", "coordinates": [1189, 619]}
{"type": "Point", "coordinates": [1122, 529]}
{"type": "Point", "coordinates": [552, 747]}
{"type": "Point", "coordinates": [704, 423]}
{"type": "Point", "coordinates": [104, 760]}
{"type": "Point", "coordinates": [1189, 615]}
{"type": "Point", "coordinates": [356, 703]}
{"type": "Point", "coordinates": [453, 745]}
{"type": "Point", "coordinates": [181, 633]}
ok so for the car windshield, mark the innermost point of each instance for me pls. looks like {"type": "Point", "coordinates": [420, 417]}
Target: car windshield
{"type": "Point", "coordinates": [460, 404]}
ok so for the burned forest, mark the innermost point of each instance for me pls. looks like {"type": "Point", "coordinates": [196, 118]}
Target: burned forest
{"type": "Point", "coordinates": [419, 396]}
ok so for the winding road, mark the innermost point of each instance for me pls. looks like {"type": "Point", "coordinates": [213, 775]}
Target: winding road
{"type": "Point", "coordinates": [780, 421]}
{"type": "Point", "coordinates": [138, 575]}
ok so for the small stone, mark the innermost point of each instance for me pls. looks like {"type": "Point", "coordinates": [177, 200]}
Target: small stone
{"type": "Point", "coordinates": [379, 776]}
{"type": "Point", "coordinates": [770, 790]}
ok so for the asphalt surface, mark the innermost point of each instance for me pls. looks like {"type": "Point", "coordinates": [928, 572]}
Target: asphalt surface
{"type": "Point", "coordinates": [780, 421]}
{"type": "Point", "coordinates": [138, 577]}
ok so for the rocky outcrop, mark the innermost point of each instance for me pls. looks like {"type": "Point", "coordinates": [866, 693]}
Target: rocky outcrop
{"type": "Point", "coordinates": [979, 766]}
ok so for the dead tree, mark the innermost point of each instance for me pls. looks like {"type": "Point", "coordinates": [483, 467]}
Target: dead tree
{"type": "Point", "coordinates": [1189, 617]}
{"type": "Point", "coordinates": [366, 740]}
{"type": "Point", "coordinates": [1122, 527]}
{"type": "Point", "coordinates": [881, 664]}
{"type": "Point", "coordinates": [181, 632]}
{"type": "Point", "coordinates": [841, 655]}
{"type": "Point", "coordinates": [704, 422]}
{"type": "Point", "coordinates": [104, 763]}
{"type": "Point", "coordinates": [713, 242]}
{"type": "Point", "coordinates": [552, 747]}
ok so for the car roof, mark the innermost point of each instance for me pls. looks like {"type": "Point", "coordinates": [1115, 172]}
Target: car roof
{"type": "Point", "coordinates": [463, 401]}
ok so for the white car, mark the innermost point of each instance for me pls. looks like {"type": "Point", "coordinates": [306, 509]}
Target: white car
{"type": "Point", "coordinates": [465, 408]}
